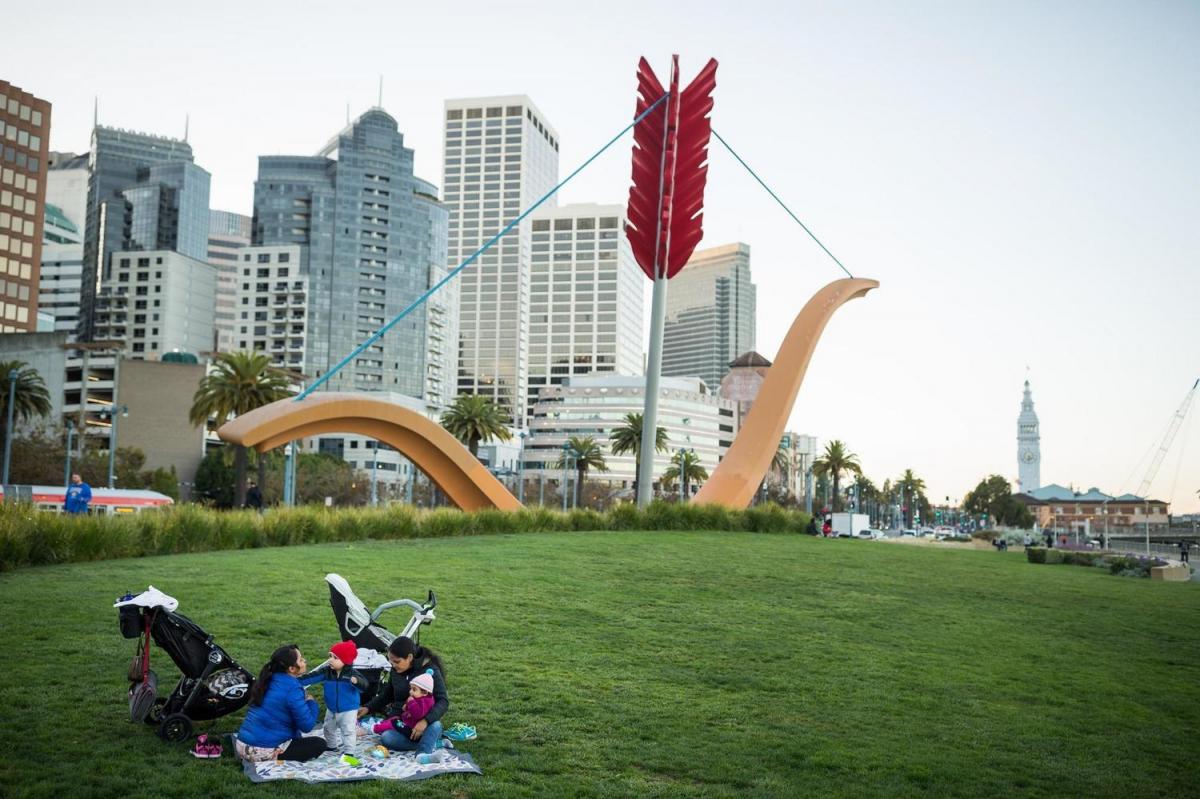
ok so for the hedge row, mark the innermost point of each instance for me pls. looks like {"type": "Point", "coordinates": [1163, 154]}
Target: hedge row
{"type": "Point", "coordinates": [1124, 565]}
{"type": "Point", "coordinates": [29, 537]}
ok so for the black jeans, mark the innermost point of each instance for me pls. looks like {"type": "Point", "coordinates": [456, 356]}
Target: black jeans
{"type": "Point", "coordinates": [304, 748]}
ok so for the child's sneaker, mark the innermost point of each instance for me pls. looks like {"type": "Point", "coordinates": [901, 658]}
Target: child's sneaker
{"type": "Point", "coordinates": [436, 756]}
{"type": "Point", "coordinates": [206, 747]}
{"type": "Point", "coordinates": [461, 732]}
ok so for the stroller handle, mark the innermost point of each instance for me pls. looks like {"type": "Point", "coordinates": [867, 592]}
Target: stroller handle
{"type": "Point", "coordinates": [429, 605]}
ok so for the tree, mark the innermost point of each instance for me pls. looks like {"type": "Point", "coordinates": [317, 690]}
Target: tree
{"type": "Point", "coordinates": [626, 439]}
{"type": "Point", "coordinates": [988, 497]}
{"type": "Point", "coordinates": [912, 489]}
{"type": "Point", "coordinates": [833, 463]}
{"type": "Point", "coordinates": [30, 397]}
{"type": "Point", "coordinates": [685, 463]}
{"type": "Point", "coordinates": [587, 455]}
{"type": "Point", "coordinates": [474, 418]}
{"type": "Point", "coordinates": [239, 383]}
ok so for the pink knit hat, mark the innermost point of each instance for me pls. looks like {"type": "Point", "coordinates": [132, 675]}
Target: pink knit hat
{"type": "Point", "coordinates": [423, 681]}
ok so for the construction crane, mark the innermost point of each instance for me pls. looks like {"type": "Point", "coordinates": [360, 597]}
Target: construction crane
{"type": "Point", "coordinates": [1172, 429]}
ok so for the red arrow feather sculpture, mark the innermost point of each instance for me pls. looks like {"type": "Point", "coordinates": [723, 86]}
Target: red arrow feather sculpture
{"type": "Point", "coordinates": [670, 168]}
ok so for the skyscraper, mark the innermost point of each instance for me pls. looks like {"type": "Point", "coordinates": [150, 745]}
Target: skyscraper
{"type": "Point", "coordinates": [370, 234]}
{"type": "Point", "coordinates": [501, 155]}
{"type": "Point", "coordinates": [227, 233]}
{"type": "Point", "coordinates": [585, 297]}
{"type": "Point", "coordinates": [24, 145]}
{"type": "Point", "coordinates": [1029, 445]}
{"type": "Point", "coordinates": [144, 192]}
{"type": "Point", "coordinates": [62, 240]}
{"type": "Point", "coordinates": [710, 314]}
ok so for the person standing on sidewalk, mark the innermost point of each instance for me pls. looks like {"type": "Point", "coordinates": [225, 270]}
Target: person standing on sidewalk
{"type": "Point", "coordinates": [1184, 546]}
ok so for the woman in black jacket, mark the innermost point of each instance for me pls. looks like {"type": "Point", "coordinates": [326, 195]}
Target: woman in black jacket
{"type": "Point", "coordinates": [408, 660]}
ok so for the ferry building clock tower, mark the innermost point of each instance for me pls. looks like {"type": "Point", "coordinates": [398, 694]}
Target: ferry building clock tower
{"type": "Point", "coordinates": [1029, 452]}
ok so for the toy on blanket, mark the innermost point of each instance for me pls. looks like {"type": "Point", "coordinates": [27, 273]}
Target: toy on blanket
{"type": "Point", "coordinates": [378, 752]}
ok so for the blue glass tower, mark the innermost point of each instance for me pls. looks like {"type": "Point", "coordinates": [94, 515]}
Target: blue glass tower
{"type": "Point", "coordinates": [370, 234]}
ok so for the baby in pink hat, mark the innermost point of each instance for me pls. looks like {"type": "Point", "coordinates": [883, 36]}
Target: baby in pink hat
{"type": "Point", "coordinates": [420, 700]}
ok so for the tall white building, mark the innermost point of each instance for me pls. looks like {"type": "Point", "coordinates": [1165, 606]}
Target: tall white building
{"type": "Point", "coordinates": [157, 301]}
{"type": "Point", "coordinates": [711, 306]}
{"type": "Point", "coordinates": [1029, 446]}
{"type": "Point", "coordinates": [585, 297]}
{"type": "Point", "coordinates": [271, 298]}
{"type": "Point", "coordinates": [61, 278]}
{"type": "Point", "coordinates": [596, 405]}
{"type": "Point", "coordinates": [227, 233]}
{"type": "Point", "coordinates": [501, 155]}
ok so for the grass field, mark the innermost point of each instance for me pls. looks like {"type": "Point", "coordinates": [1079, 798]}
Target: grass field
{"type": "Point", "coordinates": [656, 664]}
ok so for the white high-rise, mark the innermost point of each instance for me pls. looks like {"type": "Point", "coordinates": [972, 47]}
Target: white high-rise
{"type": "Point", "coordinates": [501, 155]}
{"type": "Point", "coordinates": [585, 297]}
{"type": "Point", "coordinates": [227, 234]}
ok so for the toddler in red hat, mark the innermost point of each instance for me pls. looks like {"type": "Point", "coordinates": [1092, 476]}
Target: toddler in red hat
{"type": "Point", "coordinates": [343, 693]}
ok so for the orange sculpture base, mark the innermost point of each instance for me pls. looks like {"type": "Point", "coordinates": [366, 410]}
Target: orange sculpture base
{"type": "Point", "coordinates": [734, 482]}
{"type": "Point", "coordinates": [450, 465]}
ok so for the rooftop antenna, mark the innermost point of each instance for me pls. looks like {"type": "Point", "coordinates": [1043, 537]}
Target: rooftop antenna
{"type": "Point", "coordinates": [96, 111]}
{"type": "Point", "coordinates": [187, 120]}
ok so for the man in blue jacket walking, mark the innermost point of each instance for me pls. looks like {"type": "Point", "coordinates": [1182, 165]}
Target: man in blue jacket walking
{"type": "Point", "coordinates": [79, 494]}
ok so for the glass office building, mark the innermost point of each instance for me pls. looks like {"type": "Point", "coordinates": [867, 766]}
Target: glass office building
{"type": "Point", "coordinates": [144, 193]}
{"type": "Point", "coordinates": [370, 235]}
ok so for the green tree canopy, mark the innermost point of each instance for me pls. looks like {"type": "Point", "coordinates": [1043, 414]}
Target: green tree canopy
{"type": "Point", "coordinates": [30, 397]}
{"type": "Point", "coordinates": [586, 454]}
{"type": "Point", "coordinates": [474, 418]}
{"type": "Point", "coordinates": [835, 461]}
{"type": "Point", "coordinates": [626, 438]}
{"type": "Point", "coordinates": [238, 383]}
{"type": "Point", "coordinates": [685, 463]}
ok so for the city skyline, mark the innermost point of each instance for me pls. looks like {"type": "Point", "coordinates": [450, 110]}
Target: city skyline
{"type": "Point", "coordinates": [1016, 178]}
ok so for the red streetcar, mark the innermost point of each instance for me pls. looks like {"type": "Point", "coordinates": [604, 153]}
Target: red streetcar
{"type": "Point", "coordinates": [107, 501]}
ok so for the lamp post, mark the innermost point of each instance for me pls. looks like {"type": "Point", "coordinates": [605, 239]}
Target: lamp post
{"type": "Point", "coordinates": [374, 472]}
{"type": "Point", "coordinates": [1145, 507]}
{"type": "Point", "coordinates": [8, 431]}
{"type": "Point", "coordinates": [521, 470]}
{"type": "Point", "coordinates": [566, 448]}
{"type": "Point", "coordinates": [67, 469]}
{"type": "Point", "coordinates": [112, 412]}
{"type": "Point", "coordinates": [682, 493]}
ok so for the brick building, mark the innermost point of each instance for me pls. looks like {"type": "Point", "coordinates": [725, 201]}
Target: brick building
{"type": "Point", "coordinates": [24, 151]}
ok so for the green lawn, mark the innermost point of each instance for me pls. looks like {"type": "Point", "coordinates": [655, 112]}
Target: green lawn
{"type": "Point", "coordinates": [656, 664]}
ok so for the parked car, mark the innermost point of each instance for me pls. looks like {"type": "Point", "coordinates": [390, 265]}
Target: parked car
{"type": "Point", "coordinates": [871, 534]}
{"type": "Point", "coordinates": [909, 533]}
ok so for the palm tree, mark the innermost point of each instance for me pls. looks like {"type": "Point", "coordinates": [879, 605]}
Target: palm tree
{"type": "Point", "coordinates": [239, 383]}
{"type": "Point", "coordinates": [913, 486]}
{"type": "Point", "coordinates": [687, 463]}
{"type": "Point", "coordinates": [587, 455]}
{"type": "Point", "coordinates": [627, 439]}
{"type": "Point", "coordinates": [30, 397]}
{"type": "Point", "coordinates": [835, 461]}
{"type": "Point", "coordinates": [474, 418]}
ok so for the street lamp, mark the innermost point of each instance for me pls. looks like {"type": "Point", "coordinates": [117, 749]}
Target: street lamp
{"type": "Point", "coordinates": [374, 471]}
{"type": "Point", "coordinates": [521, 470]}
{"type": "Point", "coordinates": [566, 449]}
{"type": "Point", "coordinates": [111, 412]}
{"type": "Point", "coordinates": [682, 493]}
{"type": "Point", "coordinates": [67, 470]}
{"type": "Point", "coordinates": [8, 431]}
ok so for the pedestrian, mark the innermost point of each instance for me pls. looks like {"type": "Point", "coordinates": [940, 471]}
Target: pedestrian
{"type": "Point", "coordinates": [812, 526]}
{"type": "Point", "coordinates": [254, 497]}
{"type": "Point", "coordinates": [827, 529]}
{"type": "Point", "coordinates": [1049, 539]}
{"type": "Point", "coordinates": [79, 495]}
{"type": "Point", "coordinates": [1184, 546]}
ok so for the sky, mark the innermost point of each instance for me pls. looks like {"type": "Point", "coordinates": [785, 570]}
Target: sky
{"type": "Point", "coordinates": [1023, 179]}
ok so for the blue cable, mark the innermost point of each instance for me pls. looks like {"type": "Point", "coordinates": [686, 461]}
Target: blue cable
{"type": "Point", "coordinates": [789, 210]}
{"type": "Point", "coordinates": [379, 333]}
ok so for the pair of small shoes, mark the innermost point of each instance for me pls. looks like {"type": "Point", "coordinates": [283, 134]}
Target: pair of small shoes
{"type": "Point", "coordinates": [206, 747]}
{"type": "Point", "coordinates": [461, 732]}
{"type": "Point", "coordinates": [436, 756]}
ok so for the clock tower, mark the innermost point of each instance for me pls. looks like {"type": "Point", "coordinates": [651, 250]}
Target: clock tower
{"type": "Point", "coordinates": [1029, 452]}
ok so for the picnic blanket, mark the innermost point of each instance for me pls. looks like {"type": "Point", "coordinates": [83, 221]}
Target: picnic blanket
{"type": "Point", "coordinates": [329, 767]}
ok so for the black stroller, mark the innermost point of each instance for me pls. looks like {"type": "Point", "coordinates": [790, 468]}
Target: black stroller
{"type": "Point", "coordinates": [213, 684]}
{"type": "Point", "coordinates": [355, 623]}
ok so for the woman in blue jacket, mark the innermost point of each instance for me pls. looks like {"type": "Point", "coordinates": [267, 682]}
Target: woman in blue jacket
{"type": "Point", "coordinates": [280, 713]}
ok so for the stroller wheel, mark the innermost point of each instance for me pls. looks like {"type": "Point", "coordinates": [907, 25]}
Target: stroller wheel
{"type": "Point", "coordinates": [155, 716]}
{"type": "Point", "coordinates": [175, 728]}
